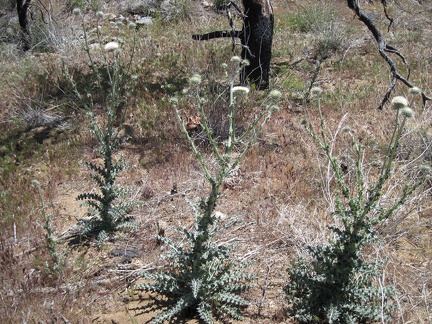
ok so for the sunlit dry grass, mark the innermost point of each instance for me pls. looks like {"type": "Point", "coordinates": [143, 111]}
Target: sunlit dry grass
{"type": "Point", "coordinates": [279, 193]}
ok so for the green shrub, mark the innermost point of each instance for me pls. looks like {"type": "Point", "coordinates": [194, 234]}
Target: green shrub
{"type": "Point", "coordinates": [338, 285]}
{"type": "Point", "coordinates": [312, 17]}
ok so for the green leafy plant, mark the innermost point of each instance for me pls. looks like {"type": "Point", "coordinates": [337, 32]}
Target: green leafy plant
{"type": "Point", "coordinates": [204, 279]}
{"type": "Point", "coordinates": [338, 285]}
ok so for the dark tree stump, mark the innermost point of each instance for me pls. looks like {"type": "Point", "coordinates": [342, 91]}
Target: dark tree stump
{"type": "Point", "coordinates": [22, 8]}
{"type": "Point", "coordinates": [256, 39]}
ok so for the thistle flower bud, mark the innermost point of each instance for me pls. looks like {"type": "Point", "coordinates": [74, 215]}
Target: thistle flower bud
{"type": "Point", "coordinates": [407, 112]}
{"type": "Point", "coordinates": [399, 102]}
{"type": "Point", "coordinates": [245, 62]}
{"type": "Point", "coordinates": [195, 79]}
{"type": "Point", "coordinates": [236, 59]}
{"type": "Point", "coordinates": [76, 11]}
{"type": "Point", "coordinates": [224, 66]}
{"type": "Point", "coordinates": [275, 94]}
{"type": "Point", "coordinates": [99, 14]}
{"type": "Point", "coordinates": [415, 91]}
{"type": "Point", "coordinates": [316, 91]}
{"type": "Point", "coordinates": [347, 129]}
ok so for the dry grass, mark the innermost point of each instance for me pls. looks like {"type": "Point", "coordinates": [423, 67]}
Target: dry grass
{"type": "Point", "coordinates": [279, 193]}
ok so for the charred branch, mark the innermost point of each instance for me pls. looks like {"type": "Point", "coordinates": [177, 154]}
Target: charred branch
{"type": "Point", "coordinates": [384, 49]}
{"type": "Point", "coordinates": [216, 34]}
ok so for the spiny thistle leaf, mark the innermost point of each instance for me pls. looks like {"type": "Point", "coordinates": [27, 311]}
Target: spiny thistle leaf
{"type": "Point", "coordinates": [96, 168]}
{"type": "Point", "coordinates": [204, 312]}
{"type": "Point", "coordinates": [87, 196]}
{"type": "Point", "coordinates": [195, 286]}
{"type": "Point", "coordinates": [167, 315]}
{"type": "Point", "coordinates": [228, 298]}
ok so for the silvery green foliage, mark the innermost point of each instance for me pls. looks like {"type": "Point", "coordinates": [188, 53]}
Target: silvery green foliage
{"type": "Point", "coordinates": [112, 81]}
{"type": "Point", "coordinates": [203, 278]}
{"type": "Point", "coordinates": [110, 206]}
{"type": "Point", "coordinates": [338, 285]}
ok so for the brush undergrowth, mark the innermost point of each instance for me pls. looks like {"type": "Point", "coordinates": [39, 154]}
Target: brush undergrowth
{"type": "Point", "coordinates": [338, 285]}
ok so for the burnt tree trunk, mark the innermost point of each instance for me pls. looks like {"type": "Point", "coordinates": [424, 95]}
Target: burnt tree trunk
{"type": "Point", "coordinates": [22, 9]}
{"type": "Point", "coordinates": [256, 39]}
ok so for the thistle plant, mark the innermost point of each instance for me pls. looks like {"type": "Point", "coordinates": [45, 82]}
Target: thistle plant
{"type": "Point", "coordinates": [338, 285]}
{"type": "Point", "coordinates": [109, 208]}
{"type": "Point", "coordinates": [55, 265]}
{"type": "Point", "coordinates": [204, 278]}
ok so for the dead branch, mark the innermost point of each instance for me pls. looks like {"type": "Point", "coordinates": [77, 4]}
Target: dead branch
{"type": "Point", "coordinates": [384, 49]}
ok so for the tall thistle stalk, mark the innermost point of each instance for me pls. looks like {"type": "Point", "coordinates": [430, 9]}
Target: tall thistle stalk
{"type": "Point", "coordinates": [337, 286]}
{"type": "Point", "coordinates": [204, 278]}
{"type": "Point", "coordinates": [109, 208]}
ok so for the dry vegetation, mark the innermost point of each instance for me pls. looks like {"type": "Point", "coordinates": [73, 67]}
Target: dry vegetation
{"type": "Point", "coordinates": [281, 192]}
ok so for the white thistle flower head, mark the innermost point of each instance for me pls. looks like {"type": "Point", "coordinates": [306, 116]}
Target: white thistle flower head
{"type": "Point", "coordinates": [111, 46]}
{"type": "Point", "coordinates": [76, 11]}
{"type": "Point", "coordinates": [399, 102]}
{"type": "Point", "coordinates": [195, 79]}
{"type": "Point", "coordinates": [240, 90]}
{"type": "Point", "coordinates": [145, 21]}
{"type": "Point", "coordinates": [275, 94]}
{"type": "Point", "coordinates": [99, 14]}
{"type": "Point", "coordinates": [236, 59]}
{"type": "Point", "coordinates": [316, 91]}
{"type": "Point", "coordinates": [132, 25]}
{"type": "Point", "coordinates": [407, 112]}
{"type": "Point", "coordinates": [415, 91]}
